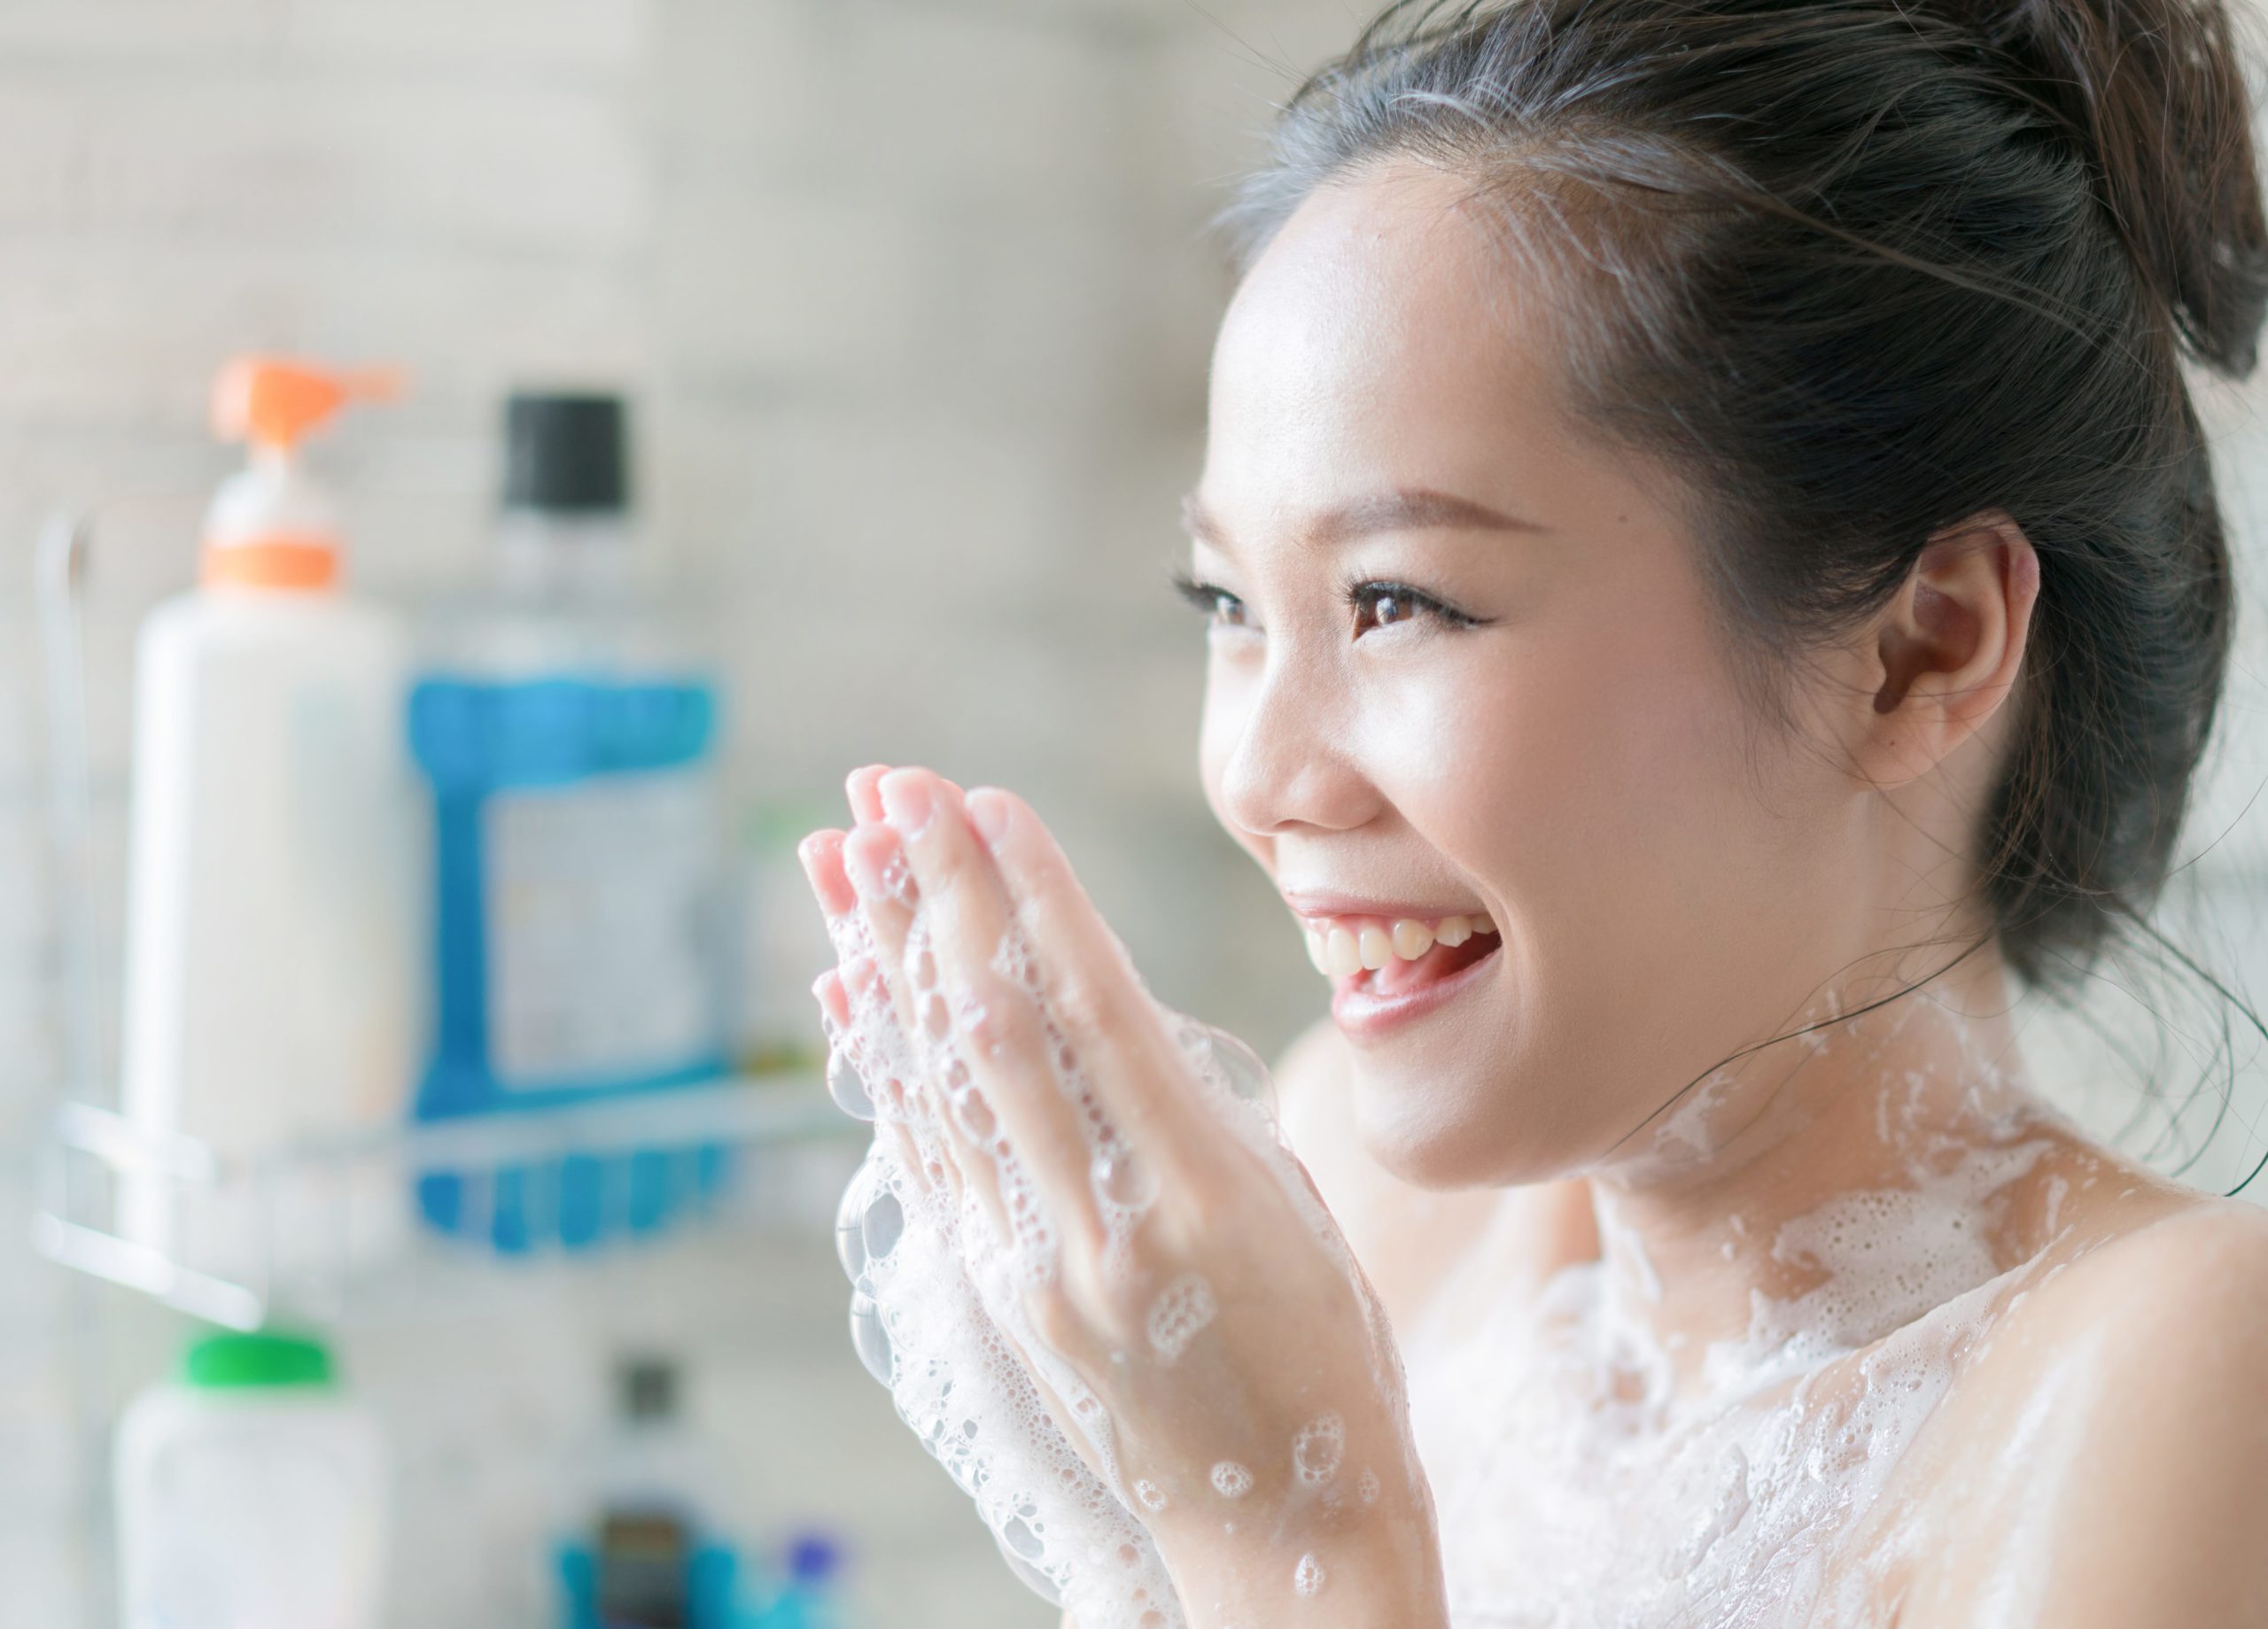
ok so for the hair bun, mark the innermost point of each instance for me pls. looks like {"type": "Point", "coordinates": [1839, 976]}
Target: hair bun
{"type": "Point", "coordinates": [2152, 92]}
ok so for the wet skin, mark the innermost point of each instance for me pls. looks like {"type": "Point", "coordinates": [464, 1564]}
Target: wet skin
{"type": "Point", "coordinates": [1463, 660]}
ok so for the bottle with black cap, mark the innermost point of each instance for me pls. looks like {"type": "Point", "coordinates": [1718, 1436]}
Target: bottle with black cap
{"type": "Point", "coordinates": [567, 726]}
{"type": "Point", "coordinates": [564, 534]}
{"type": "Point", "coordinates": [648, 1529]}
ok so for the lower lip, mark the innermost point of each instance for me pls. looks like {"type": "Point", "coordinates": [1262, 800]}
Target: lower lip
{"type": "Point", "coordinates": [1361, 1015]}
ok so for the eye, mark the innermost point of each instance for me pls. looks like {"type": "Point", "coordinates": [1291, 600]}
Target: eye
{"type": "Point", "coordinates": [1222, 608]}
{"type": "Point", "coordinates": [1385, 605]}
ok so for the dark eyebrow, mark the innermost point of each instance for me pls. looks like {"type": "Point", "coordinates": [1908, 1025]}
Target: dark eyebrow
{"type": "Point", "coordinates": [1406, 509]}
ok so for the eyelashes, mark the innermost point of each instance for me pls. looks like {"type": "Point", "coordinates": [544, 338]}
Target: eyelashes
{"type": "Point", "coordinates": [1373, 603]}
{"type": "Point", "coordinates": [1219, 606]}
{"type": "Point", "coordinates": [1378, 603]}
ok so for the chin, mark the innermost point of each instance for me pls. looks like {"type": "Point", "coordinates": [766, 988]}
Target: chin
{"type": "Point", "coordinates": [1431, 1130]}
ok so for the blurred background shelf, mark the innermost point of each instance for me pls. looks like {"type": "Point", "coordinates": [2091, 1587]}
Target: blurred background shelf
{"type": "Point", "coordinates": [355, 1228]}
{"type": "Point", "coordinates": [939, 366]}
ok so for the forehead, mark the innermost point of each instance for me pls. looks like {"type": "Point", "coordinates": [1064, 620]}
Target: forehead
{"type": "Point", "coordinates": [1385, 336]}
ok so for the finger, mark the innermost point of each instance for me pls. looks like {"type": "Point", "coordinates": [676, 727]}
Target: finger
{"type": "Point", "coordinates": [906, 989]}
{"type": "Point", "coordinates": [835, 1004]}
{"type": "Point", "coordinates": [874, 863]}
{"type": "Point", "coordinates": [834, 1000]}
{"type": "Point", "coordinates": [1079, 1420]}
{"type": "Point", "coordinates": [821, 854]}
{"type": "Point", "coordinates": [964, 1118]}
{"type": "Point", "coordinates": [1110, 1022]}
{"type": "Point", "coordinates": [846, 999]}
{"type": "Point", "coordinates": [858, 787]}
{"type": "Point", "coordinates": [861, 786]}
{"type": "Point", "coordinates": [1009, 1051]}
{"type": "Point", "coordinates": [824, 865]}
{"type": "Point", "coordinates": [874, 1040]}
{"type": "Point", "coordinates": [980, 1149]}
{"type": "Point", "coordinates": [924, 1173]}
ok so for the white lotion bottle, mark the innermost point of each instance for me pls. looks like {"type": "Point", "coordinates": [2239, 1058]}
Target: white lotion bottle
{"type": "Point", "coordinates": [270, 968]}
{"type": "Point", "coordinates": [251, 1494]}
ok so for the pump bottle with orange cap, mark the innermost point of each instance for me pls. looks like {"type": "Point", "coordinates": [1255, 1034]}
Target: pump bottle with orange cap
{"type": "Point", "coordinates": [270, 962]}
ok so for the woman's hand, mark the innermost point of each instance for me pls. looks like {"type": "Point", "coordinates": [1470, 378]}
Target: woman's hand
{"type": "Point", "coordinates": [1191, 1282]}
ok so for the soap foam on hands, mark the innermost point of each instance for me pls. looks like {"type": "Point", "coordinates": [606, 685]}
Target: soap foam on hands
{"type": "Point", "coordinates": [937, 1311]}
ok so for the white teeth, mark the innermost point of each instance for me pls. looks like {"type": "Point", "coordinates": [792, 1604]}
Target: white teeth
{"type": "Point", "coordinates": [1411, 940]}
{"type": "Point", "coordinates": [1339, 952]}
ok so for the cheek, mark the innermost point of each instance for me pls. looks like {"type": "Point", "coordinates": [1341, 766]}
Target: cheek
{"type": "Point", "coordinates": [1562, 771]}
{"type": "Point", "coordinates": [1484, 757]}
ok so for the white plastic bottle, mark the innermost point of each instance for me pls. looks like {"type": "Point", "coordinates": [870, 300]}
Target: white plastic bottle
{"type": "Point", "coordinates": [270, 971]}
{"type": "Point", "coordinates": [251, 1494]}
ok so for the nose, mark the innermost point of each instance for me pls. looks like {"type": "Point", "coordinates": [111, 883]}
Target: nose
{"type": "Point", "coordinates": [1288, 766]}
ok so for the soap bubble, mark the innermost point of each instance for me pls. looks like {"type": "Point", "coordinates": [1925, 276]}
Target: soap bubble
{"type": "Point", "coordinates": [921, 959]}
{"type": "Point", "coordinates": [884, 1221]}
{"type": "Point", "coordinates": [1182, 1311]}
{"type": "Point", "coordinates": [1033, 1579]}
{"type": "Point", "coordinates": [1316, 1450]}
{"type": "Point", "coordinates": [1019, 1537]}
{"type": "Point", "coordinates": [1125, 1180]}
{"type": "Point", "coordinates": [850, 1224]}
{"type": "Point", "coordinates": [868, 1336]}
{"type": "Point", "coordinates": [1230, 1061]}
{"type": "Point", "coordinates": [845, 1086]}
{"type": "Point", "coordinates": [973, 1115]}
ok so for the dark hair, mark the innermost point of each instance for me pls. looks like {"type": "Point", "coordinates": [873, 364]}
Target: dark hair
{"type": "Point", "coordinates": [1864, 270]}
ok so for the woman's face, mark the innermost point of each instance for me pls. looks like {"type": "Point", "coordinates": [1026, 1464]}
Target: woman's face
{"type": "Point", "coordinates": [1462, 664]}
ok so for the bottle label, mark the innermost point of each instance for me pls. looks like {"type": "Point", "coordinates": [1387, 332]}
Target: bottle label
{"type": "Point", "coordinates": [598, 903]}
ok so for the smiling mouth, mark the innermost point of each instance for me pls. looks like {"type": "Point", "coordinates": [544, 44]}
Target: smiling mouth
{"type": "Point", "coordinates": [1390, 958]}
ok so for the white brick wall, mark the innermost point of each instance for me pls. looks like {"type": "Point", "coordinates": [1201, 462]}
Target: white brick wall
{"type": "Point", "coordinates": [911, 297]}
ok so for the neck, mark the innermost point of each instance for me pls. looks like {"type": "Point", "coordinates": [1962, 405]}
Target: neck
{"type": "Point", "coordinates": [1828, 1183]}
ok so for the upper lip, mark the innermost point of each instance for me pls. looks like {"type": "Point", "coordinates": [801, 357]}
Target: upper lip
{"type": "Point", "coordinates": [1317, 903]}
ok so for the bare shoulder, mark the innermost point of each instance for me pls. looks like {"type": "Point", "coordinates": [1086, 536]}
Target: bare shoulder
{"type": "Point", "coordinates": [2202, 1266]}
{"type": "Point", "coordinates": [2183, 1290]}
{"type": "Point", "coordinates": [2118, 1424]}
{"type": "Point", "coordinates": [2165, 1522]}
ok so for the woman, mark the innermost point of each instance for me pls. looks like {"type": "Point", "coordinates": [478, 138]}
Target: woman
{"type": "Point", "coordinates": [1714, 583]}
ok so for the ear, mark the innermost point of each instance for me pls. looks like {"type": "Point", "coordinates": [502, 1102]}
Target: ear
{"type": "Point", "coordinates": [1947, 651]}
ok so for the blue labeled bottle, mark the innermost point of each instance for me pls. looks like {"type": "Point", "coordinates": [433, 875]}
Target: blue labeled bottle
{"type": "Point", "coordinates": [567, 731]}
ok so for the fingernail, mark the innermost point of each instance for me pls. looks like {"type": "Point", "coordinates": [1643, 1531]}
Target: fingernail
{"type": "Point", "coordinates": [905, 798]}
{"type": "Point", "coordinates": [988, 811]}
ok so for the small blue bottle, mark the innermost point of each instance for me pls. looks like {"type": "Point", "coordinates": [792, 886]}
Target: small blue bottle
{"type": "Point", "coordinates": [568, 730]}
{"type": "Point", "coordinates": [810, 1599]}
